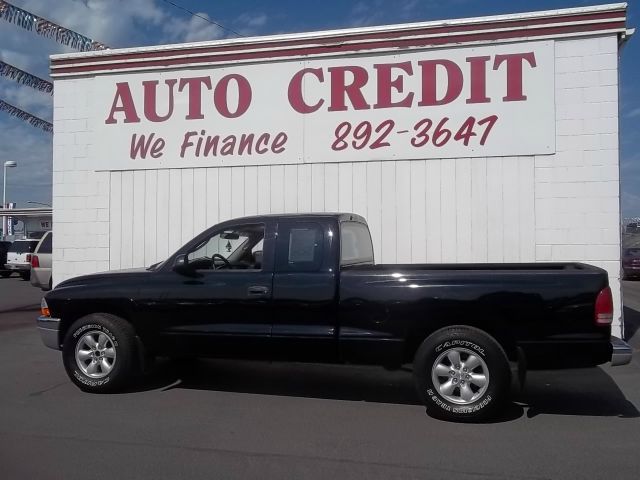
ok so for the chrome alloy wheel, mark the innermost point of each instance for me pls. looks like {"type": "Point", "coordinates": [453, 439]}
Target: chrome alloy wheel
{"type": "Point", "coordinates": [95, 354]}
{"type": "Point", "coordinates": [460, 376]}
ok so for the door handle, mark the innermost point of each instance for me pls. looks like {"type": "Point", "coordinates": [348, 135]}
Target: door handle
{"type": "Point", "coordinates": [257, 291]}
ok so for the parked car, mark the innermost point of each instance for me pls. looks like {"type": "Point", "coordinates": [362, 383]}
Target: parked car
{"type": "Point", "coordinates": [41, 262]}
{"type": "Point", "coordinates": [305, 288]}
{"type": "Point", "coordinates": [4, 248]}
{"type": "Point", "coordinates": [631, 262]}
{"type": "Point", "coordinates": [633, 227]}
{"type": "Point", "coordinates": [19, 257]}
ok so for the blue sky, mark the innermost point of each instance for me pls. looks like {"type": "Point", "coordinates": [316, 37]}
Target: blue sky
{"type": "Point", "coordinates": [126, 23]}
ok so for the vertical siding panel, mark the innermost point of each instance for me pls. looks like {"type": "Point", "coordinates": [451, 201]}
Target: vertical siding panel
{"type": "Point", "coordinates": [213, 197]}
{"type": "Point", "coordinates": [317, 187]}
{"type": "Point", "coordinates": [463, 210]}
{"type": "Point", "coordinates": [403, 211]}
{"type": "Point", "coordinates": [494, 210]}
{"type": "Point", "coordinates": [277, 189]}
{"type": "Point", "coordinates": [126, 244]}
{"type": "Point", "coordinates": [291, 188]}
{"type": "Point", "coordinates": [433, 176]}
{"type": "Point", "coordinates": [374, 206]}
{"type": "Point", "coordinates": [150, 220]}
{"type": "Point", "coordinates": [264, 186]}
{"type": "Point", "coordinates": [388, 210]}
{"type": "Point", "coordinates": [527, 214]}
{"type": "Point", "coordinates": [345, 187]}
{"type": "Point", "coordinates": [224, 193]}
{"type": "Point", "coordinates": [175, 209]}
{"type": "Point", "coordinates": [511, 209]}
{"type": "Point", "coordinates": [359, 189]}
{"type": "Point", "coordinates": [331, 187]}
{"type": "Point", "coordinates": [199, 200]}
{"type": "Point", "coordinates": [163, 226]}
{"type": "Point", "coordinates": [138, 218]}
{"type": "Point", "coordinates": [448, 210]}
{"type": "Point", "coordinates": [479, 210]}
{"type": "Point", "coordinates": [187, 205]}
{"type": "Point", "coordinates": [237, 192]}
{"type": "Point", "coordinates": [115, 220]}
{"type": "Point", "coordinates": [304, 188]}
{"type": "Point", "coordinates": [251, 190]}
{"type": "Point", "coordinates": [418, 213]}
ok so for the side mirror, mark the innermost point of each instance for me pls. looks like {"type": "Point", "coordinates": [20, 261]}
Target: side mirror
{"type": "Point", "coordinates": [181, 264]}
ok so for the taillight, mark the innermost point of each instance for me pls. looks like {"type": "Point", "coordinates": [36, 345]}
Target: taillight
{"type": "Point", "coordinates": [604, 307]}
{"type": "Point", "coordinates": [28, 258]}
{"type": "Point", "coordinates": [35, 262]}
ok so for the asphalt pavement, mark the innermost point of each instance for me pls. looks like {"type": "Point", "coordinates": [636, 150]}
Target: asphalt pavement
{"type": "Point", "coordinates": [222, 419]}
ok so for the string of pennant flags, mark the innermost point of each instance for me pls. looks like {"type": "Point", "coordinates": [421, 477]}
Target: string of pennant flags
{"type": "Point", "coordinates": [25, 78]}
{"type": "Point", "coordinates": [26, 116]}
{"type": "Point", "coordinates": [46, 28]}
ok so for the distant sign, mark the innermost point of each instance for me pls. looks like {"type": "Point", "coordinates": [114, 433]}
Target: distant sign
{"type": "Point", "coordinates": [10, 231]}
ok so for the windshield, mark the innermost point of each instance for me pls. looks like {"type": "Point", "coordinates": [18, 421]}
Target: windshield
{"type": "Point", "coordinates": [23, 246]}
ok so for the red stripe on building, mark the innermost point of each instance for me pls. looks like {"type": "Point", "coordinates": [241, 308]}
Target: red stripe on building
{"type": "Point", "coordinates": [150, 61]}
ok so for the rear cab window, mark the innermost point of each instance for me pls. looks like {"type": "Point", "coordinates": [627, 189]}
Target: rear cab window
{"type": "Point", "coordinates": [355, 244]}
{"type": "Point", "coordinates": [23, 246]}
{"type": "Point", "coordinates": [301, 247]}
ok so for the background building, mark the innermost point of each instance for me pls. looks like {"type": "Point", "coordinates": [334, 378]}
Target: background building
{"type": "Point", "coordinates": [478, 140]}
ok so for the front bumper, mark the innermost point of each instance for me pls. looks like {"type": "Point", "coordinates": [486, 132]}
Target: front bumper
{"type": "Point", "coordinates": [49, 329]}
{"type": "Point", "coordinates": [621, 352]}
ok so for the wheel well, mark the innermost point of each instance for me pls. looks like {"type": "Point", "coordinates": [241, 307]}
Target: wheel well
{"type": "Point", "coordinates": [496, 328]}
{"type": "Point", "coordinates": [70, 317]}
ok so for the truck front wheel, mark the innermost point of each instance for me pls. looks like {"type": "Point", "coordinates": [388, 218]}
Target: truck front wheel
{"type": "Point", "coordinates": [461, 374]}
{"type": "Point", "coordinates": [99, 352]}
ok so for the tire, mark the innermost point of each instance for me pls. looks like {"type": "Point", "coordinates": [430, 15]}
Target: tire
{"type": "Point", "coordinates": [5, 274]}
{"type": "Point", "coordinates": [117, 337]}
{"type": "Point", "coordinates": [439, 374]}
{"type": "Point", "coordinates": [25, 275]}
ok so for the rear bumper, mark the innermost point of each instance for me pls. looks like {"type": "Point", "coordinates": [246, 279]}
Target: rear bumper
{"type": "Point", "coordinates": [18, 267]}
{"type": "Point", "coordinates": [621, 352]}
{"type": "Point", "coordinates": [49, 329]}
{"type": "Point", "coordinates": [40, 277]}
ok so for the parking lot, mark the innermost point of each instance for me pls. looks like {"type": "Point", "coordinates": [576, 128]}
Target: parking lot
{"type": "Point", "coordinates": [229, 419]}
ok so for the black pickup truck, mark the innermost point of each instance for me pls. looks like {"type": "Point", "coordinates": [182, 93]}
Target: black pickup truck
{"type": "Point", "coordinates": [304, 287]}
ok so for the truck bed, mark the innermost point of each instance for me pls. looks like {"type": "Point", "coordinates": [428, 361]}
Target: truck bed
{"type": "Point", "coordinates": [539, 307]}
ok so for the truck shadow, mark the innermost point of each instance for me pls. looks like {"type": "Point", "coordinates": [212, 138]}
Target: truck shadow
{"type": "Point", "coordinates": [586, 392]}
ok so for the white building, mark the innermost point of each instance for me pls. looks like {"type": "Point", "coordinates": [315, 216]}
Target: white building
{"type": "Point", "coordinates": [488, 139]}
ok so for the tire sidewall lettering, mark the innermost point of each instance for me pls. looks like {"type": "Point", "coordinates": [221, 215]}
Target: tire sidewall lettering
{"type": "Point", "coordinates": [460, 343]}
{"type": "Point", "coordinates": [95, 326]}
{"type": "Point", "coordinates": [89, 382]}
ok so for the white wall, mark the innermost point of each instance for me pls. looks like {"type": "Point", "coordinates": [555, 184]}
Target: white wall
{"type": "Point", "coordinates": [562, 207]}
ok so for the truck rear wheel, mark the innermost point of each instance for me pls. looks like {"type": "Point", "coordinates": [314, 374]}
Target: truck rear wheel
{"type": "Point", "coordinates": [99, 353]}
{"type": "Point", "coordinates": [461, 374]}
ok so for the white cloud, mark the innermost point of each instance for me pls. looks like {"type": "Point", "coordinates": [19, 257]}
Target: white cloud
{"type": "Point", "coordinates": [192, 29]}
{"type": "Point", "coordinates": [253, 20]}
{"type": "Point", "coordinates": [633, 113]}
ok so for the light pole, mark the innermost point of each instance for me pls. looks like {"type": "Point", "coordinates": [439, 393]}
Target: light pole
{"type": "Point", "coordinates": [7, 164]}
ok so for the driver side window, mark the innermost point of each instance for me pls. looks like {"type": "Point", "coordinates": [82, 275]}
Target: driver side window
{"type": "Point", "coordinates": [234, 248]}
